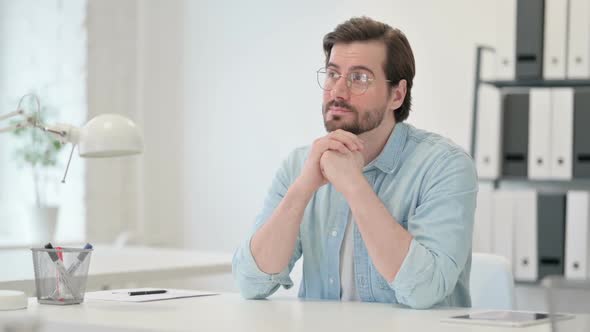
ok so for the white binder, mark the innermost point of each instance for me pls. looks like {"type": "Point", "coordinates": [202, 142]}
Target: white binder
{"type": "Point", "coordinates": [525, 234]}
{"type": "Point", "coordinates": [503, 225]}
{"type": "Point", "coordinates": [506, 40]}
{"type": "Point", "coordinates": [488, 124]}
{"type": "Point", "coordinates": [577, 236]}
{"type": "Point", "coordinates": [482, 228]}
{"type": "Point", "coordinates": [578, 65]}
{"type": "Point", "coordinates": [555, 41]}
{"type": "Point", "coordinates": [562, 133]}
{"type": "Point", "coordinates": [539, 134]}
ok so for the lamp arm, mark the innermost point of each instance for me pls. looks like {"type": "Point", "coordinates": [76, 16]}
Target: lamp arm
{"type": "Point", "coordinates": [11, 114]}
{"type": "Point", "coordinates": [29, 121]}
{"type": "Point", "coordinates": [19, 112]}
{"type": "Point", "coordinates": [19, 125]}
{"type": "Point", "coordinates": [63, 132]}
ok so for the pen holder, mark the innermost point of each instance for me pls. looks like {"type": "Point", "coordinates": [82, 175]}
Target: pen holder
{"type": "Point", "coordinates": [60, 274]}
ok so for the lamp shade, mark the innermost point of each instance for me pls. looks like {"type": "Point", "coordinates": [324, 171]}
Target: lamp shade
{"type": "Point", "coordinates": [109, 135]}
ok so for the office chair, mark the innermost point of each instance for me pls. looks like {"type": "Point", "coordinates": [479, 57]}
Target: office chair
{"type": "Point", "coordinates": [491, 283]}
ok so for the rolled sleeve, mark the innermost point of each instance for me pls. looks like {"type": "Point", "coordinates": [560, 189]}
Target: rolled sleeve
{"type": "Point", "coordinates": [251, 281]}
{"type": "Point", "coordinates": [442, 229]}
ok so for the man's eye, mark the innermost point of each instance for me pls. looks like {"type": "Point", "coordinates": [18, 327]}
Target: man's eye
{"type": "Point", "coordinates": [359, 77]}
{"type": "Point", "coordinates": [333, 74]}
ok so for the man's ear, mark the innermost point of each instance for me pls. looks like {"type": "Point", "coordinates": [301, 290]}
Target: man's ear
{"type": "Point", "coordinates": [398, 94]}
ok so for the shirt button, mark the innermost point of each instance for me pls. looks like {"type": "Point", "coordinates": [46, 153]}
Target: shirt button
{"type": "Point", "coordinates": [331, 280]}
{"type": "Point", "coordinates": [334, 233]}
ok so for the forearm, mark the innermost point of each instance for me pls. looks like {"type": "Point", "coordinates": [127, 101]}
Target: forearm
{"type": "Point", "coordinates": [273, 244]}
{"type": "Point", "coordinates": [386, 240]}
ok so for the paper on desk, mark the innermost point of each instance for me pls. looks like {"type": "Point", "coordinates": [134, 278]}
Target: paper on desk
{"type": "Point", "coordinates": [122, 295]}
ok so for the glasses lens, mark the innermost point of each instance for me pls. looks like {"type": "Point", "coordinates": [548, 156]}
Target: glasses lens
{"type": "Point", "coordinates": [359, 82]}
{"type": "Point", "coordinates": [356, 82]}
{"type": "Point", "coordinates": [322, 76]}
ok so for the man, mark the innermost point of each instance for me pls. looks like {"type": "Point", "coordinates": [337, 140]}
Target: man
{"type": "Point", "coordinates": [380, 210]}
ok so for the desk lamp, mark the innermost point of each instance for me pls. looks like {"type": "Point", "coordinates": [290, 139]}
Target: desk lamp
{"type": "Point", "coordinates": [106, 135]}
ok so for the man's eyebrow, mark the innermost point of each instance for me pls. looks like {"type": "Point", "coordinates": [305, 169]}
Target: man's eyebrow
{"type": "Point", "coordinates": [361, 67]}
{"type": "Point", "coordinates": [332, 64]}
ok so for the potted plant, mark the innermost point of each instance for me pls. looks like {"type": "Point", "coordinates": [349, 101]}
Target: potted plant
{"type": "Point", "coordinates": [39, 151]}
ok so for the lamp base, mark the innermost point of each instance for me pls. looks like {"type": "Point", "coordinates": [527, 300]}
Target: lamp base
{"type": "Point", "coordinates": [12, 300]}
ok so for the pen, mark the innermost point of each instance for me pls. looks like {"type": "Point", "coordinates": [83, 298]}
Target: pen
{"type": "Point", "coordinates": [80, 259]}
{"type": "Point", "coordinates": [61, 269]}
{"type": "Point", "coordinates": [149, 292]}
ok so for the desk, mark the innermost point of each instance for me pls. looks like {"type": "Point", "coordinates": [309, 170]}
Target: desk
{"type": "Point", "coordinates": [111, 264]}
{"type": "Point", "coordinates": [229, 312]}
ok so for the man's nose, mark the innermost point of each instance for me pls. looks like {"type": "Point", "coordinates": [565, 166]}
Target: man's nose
{"type": "Point", "coordinates": [340, 90]}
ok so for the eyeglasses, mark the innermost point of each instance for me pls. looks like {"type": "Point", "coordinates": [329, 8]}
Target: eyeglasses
{"type": "Point", "coordinates": [357, 81]}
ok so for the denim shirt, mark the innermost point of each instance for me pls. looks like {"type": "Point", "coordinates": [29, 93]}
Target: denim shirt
{"type": "Point", "coordinates": [428, 184]}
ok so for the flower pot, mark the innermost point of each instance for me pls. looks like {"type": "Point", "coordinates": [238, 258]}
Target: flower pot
{"type": "Point", "coordinates": [43, 223]}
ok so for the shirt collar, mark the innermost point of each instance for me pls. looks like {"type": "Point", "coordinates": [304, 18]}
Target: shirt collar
{"type": "Point", "coordinates": [390, 156]}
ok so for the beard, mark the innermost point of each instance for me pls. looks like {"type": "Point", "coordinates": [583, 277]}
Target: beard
{"type": "Point", "coordinates": [369, 120]}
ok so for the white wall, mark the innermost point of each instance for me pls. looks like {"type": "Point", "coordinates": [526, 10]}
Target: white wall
{"type": "Point", "coordinates": [251, 95]}
{"type": "Point", "coordinates": [135, 69]}
{"type": "Point", "coordinates": [226, 89]}
{"type": "Point", "coordinates": [112, 191]}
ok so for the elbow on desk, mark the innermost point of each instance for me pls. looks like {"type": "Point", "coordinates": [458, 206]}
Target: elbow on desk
{"type": "Point", "coordinates": [429, 289]}
{"type": "Point", "coordinates": [421, 298]}
{"type": "Point", "coordinates": [251, 293]}
{"type": "Point", "coordinates": [419, 303]}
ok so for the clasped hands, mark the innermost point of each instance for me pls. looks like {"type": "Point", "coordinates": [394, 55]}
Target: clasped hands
{"type": "Point", "coordinates": [335, 158]}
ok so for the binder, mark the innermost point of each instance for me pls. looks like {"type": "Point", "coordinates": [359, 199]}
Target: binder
{"type": "Point", "coordinates": [562, 133]}
{"type": "Point", "coordinates": [577, 255]}
{"type": "Point", "coordinates": [581, 158]}
{"type": "Point", "coordinates": [551, 234]}
{"type": "Point", "coordinates": [529, 39]}
{"type": "Point", "coordinates": [488, 124]}
{"type": "Point", "coordinates": [482, 228]}
{"type": "Point", "coordinates": [539, 167]}
{"type": "Point", "coordinates": [506, 40]}
{"type": "Point", "coordinates": [529, 230]}
{"type": "Point", "coordinates": [515, 135]}
{"type": "Point", "coordinates": [525, 207]}
{"type": "Point", "coordinates": [555, 39]}
{"type": "Point", "coordinates": [503, 225]}
{"type": "Point", "coordinates": [578, 65]}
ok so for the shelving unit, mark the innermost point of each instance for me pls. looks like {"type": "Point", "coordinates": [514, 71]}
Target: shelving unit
{"type": "Point", "coordinates": [507, 85]}
{"type": "Point", "coordinates": [544, 188]}
{"type": "Point", "coordinates": [500, 84]}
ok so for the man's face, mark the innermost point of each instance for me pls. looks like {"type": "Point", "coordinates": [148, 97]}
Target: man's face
{"type": "Point", "coordinates": [342, 108]}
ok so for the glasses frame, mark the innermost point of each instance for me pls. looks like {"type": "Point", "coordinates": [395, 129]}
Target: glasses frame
{"type": "Point", "coordinates": [324, 70]}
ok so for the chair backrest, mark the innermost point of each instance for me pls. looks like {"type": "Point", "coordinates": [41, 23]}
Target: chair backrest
{"type": "Point", "coordinates": [491, 283]}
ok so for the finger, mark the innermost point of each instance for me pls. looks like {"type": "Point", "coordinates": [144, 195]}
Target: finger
{"type": "Point", "coordinates": [352, 141]}
{"type": "Point", "coordinates": [337, 146]}
{"type": "Point", "coordinates": [349, 139]}
{"type": "Point", "coordinates": [326, 143]}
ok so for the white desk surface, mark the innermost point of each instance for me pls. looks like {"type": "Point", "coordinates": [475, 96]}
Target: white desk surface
{"type": "Point", "coordinates": [115, 265]}
{"type": "Point", "coordinates": [230, 312]}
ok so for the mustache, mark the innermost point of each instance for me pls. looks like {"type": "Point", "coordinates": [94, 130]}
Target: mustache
{"type": "Point", "coordinates": [339, 103]}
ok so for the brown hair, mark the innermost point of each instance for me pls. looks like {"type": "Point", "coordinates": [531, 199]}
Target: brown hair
{"type": "Point", "coordinates": [399, 62]}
